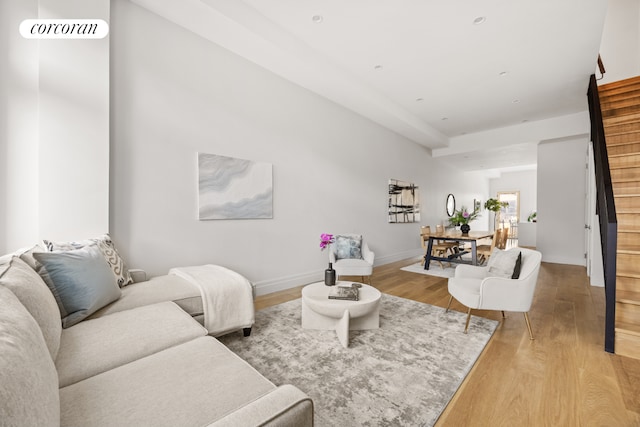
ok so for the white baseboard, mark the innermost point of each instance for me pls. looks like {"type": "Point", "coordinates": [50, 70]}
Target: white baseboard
{"type": "Point", "coordinates": [265, 287]}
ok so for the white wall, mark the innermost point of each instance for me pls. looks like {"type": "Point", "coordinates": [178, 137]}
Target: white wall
{"type": "Point", "coordinates": [620, 45]}
{"type": "Point", "coordinates": [73, 126]}
{"type": "Point", "coordinates": [18, 122]}
{"type": "Point", "coordinates": [175, 94]}
{"type": "Point", "coordinates": [561, 200]}
{"type": "Point", "coordinates": [55, 109]}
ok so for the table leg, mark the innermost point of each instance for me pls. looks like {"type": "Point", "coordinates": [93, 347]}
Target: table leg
{"type": "Point", "coordinates": [427, 256]}
{"type": "Point", "coordinates": [342, 329]}
{"type": "Point", "coordinates": [474, 253]}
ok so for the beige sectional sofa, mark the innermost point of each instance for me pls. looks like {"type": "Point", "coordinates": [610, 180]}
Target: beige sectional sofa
{"type": "Point", "coordinates": [143, 361]}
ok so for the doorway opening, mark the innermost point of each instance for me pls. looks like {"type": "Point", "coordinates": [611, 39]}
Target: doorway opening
{"type": "Point", "coordinates": [509, 216]}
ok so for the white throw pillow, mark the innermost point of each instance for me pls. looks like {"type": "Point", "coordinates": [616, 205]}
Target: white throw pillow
{"type": "Point", "coordinates": [502, 263]}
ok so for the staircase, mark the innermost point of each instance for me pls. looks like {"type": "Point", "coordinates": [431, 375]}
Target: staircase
{"type": "Point", "coordinates": [620, 103]}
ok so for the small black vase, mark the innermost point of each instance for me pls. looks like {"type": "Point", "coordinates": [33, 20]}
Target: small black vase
{"type": "Point", "coordinates": [330, 276]}
{"type": "Point", "coordinates": [465, 228]}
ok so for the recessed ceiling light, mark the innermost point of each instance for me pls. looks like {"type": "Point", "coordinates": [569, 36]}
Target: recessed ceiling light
{"type": "Point", "coordinates": [419, 99]}
{"type": "Point", "coordinates": [515, 101]}
{"type": "Point", "coordinates": [503, 73]}
{"type": "Point", "coordinates": [317, 18]}
{"type": "Point", "coordinates": [378, 67]}
{"type": "Point", "coordinates": [445, 118]}
{"type": "Point", "coordinates": [479, 20]}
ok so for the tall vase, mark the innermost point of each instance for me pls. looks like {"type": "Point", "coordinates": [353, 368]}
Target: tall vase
{"type": "Point", "coordinates": [330, 276]}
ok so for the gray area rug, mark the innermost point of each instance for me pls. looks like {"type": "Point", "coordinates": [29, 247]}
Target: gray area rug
{"type": "Point", "coordinates": [404, 373]}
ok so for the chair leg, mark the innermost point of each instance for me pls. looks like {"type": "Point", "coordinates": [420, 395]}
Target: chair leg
{"type": "Point", "coordinates": [503, 316]}
{"type": "Point", "coordinates": [526, 318]}
{"type": "Point", "coordinates": [449, 305]}
{"type": "Point", "coordinates": [466, 326]}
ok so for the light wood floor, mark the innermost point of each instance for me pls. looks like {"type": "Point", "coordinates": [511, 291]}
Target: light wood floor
{"type": "Point", "coordinates": [562, 378]}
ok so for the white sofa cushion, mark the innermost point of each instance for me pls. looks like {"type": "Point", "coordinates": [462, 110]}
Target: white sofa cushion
{"type": "Point", "coordinates": [34, 294]}
{"type": "Point", "coordinates": [194, 383]}
{"type": "Point", "coordinates": [28, 379]}
{"type": "Point", "coordinates": [95, 346]}
{"type": "Point", "coordinates": [155, 290]}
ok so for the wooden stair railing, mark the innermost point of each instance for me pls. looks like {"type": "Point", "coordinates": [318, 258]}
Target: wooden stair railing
{"type": "Point", "coordinates": [620, 106]}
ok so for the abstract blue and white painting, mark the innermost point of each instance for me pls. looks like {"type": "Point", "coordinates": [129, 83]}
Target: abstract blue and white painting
{"type": "Point", "coordinates": [230, 188]}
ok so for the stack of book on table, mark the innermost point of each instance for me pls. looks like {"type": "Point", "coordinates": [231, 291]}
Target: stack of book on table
{"type": "Point", "coordinates": [345, 292]}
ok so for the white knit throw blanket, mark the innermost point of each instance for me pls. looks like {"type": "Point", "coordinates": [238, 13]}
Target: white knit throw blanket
{"type": "Point", "coordinates": [227, 297]}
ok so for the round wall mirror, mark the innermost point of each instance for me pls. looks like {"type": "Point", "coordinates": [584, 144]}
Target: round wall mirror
{"type": "Point", "coordinates": [451, 204]}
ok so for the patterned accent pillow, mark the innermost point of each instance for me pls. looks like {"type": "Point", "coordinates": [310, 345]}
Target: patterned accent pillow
{"type": "Point", "coordinates": [108, 249]}
{"type": "Point", "coordinates": [348, 246]}
{"type": "Point", "coordinates": [502, 263]}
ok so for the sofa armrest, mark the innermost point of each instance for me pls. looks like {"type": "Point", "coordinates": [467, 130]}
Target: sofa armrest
{"type": "Point", "coordinates": [138, 275]}
{"type": "Point", "coordinates": [284, 406]}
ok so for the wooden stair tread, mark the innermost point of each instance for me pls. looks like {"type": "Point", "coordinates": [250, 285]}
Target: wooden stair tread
{"type": "Point", "coordinates": [607, 87]}
{"type": "Point", "coordinates": [630, 248]}
{"type": "Point", "coordinates": [628, 328]}
{"type": "Point", "coordinates": [621, 129]}
{"type": "Point", "coordinates": [624, 118]}
{"type": "Point", "coordinates": [627, 195]}
{"type": "Point", "coordinates": [619, 103]}
{"type": "Point", "coordinates": [620, 111]}
{"type": "Point", "coordinates": [628, 297]}
{"type": "Point", "coordinates": [631, 274]}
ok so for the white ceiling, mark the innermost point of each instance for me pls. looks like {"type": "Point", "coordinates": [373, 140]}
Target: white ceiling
{"type": "Point", "coordinates": [421, 68]}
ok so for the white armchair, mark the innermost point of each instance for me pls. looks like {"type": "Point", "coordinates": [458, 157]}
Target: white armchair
{"type": "Point", "coordinates": [361, 262]}
{"type": "Point", "coordinates": [474, 288]}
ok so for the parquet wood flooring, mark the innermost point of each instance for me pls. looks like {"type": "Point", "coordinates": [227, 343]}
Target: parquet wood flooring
{"type": "Point", "coordinates": [562, 378]}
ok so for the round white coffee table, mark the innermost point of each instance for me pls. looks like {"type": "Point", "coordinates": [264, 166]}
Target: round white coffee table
{"type": "Point", "coordinates": [320, 312]}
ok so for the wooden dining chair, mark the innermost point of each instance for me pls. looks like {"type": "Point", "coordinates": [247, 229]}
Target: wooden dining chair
{"type": "Point", "coordinates": [438, 248]}
{"type": "Point", "coordinates": [483, 252]}
{"type": "Point", "coordinates": [504, 236]}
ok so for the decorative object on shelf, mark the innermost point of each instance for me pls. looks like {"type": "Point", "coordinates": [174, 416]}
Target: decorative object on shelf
{"type": "Point", "coordinates": [329, 274]}
{"type": "Point", "coordinates": [532, 217]}
{"type": "Point", "coordinates": [404, 202]}
{"type": "Point", "coordinates": [451, 204]}
{"type": "Point", "coordinates": [462, 218]}
{"type": "Point", "coordinates": [494, 205]}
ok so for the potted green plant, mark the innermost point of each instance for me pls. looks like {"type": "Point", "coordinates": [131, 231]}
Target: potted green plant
{"type": "Point", "coordinates": [494, 205]}
{"type": "Point", "coordinates": [462, 217]}
{"type": "Point", "coordinates": [532, 217]}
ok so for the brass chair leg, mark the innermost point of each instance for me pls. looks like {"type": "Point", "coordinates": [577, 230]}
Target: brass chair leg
{"type": "Point", "coordinates": [466, 326]}
{"type": "Point", "coordinates": [449, 305]}
{"type": "Point", "coordinates": [526, 318]}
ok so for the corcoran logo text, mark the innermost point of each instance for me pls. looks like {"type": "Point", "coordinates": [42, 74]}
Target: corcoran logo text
{"type": "Point", "coordinates": [64, 28]}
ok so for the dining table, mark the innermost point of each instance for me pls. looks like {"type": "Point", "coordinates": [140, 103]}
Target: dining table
{"type": "Point", "coordinates": [453, 235]}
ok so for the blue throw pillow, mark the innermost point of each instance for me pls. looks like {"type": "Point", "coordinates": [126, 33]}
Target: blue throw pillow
{"type": "Point", "coordinates": [81, 281]}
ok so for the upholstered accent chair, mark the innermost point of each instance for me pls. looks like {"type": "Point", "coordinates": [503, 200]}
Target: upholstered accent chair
{"type": "Point", "coordinates": [482, 288]}
{"type": "Point", "coordinates": [351, 256]}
